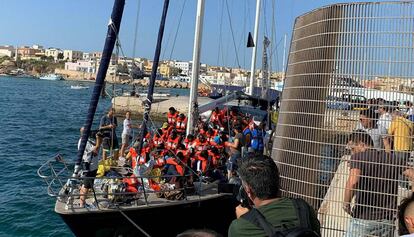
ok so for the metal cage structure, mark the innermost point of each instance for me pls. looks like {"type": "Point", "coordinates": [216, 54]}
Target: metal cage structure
{"type": "Point", "coordinates": [350, 74]}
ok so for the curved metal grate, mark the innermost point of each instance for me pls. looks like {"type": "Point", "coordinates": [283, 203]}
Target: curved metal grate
{"type": "Point", "coordinates": [346, 60]}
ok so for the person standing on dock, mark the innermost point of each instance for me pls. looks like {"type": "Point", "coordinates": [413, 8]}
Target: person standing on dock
{"type": "Point", "coordinates": [373, 180]}
{"type": "Point", "coordinates": [107, 126]}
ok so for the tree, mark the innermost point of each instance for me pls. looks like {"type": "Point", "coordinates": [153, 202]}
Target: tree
{"type": "Point", "coordinates": [60, 56]}
{"type": "Point", "coordinates": [175, 71]}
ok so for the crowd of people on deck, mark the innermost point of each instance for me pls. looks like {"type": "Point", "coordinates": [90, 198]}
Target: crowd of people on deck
{"type": "Point", "coordinates": [211, 152]}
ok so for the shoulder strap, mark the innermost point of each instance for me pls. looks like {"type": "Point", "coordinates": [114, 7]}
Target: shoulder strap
{"type": "Point", "coordinates": [254, 216]}
{"type": "Point", "coordinates": [302, 212]}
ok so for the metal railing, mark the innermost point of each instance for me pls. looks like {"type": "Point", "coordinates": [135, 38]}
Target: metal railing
{"type": "Point", "coordinates": [62, 185]}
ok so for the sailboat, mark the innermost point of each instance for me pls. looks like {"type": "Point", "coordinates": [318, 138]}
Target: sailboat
{"type": "Point", "coordinates": [207, 205]}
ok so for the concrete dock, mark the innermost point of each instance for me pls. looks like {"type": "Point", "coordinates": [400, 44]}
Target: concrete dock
{"type": "Point", "coordinates": [159, 108]}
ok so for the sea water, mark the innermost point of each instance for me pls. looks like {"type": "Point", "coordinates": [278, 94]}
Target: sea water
{"type": "Point", "coordinates": [39, 119]}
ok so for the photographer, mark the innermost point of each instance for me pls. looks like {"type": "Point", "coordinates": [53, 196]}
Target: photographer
{"type": "Point", "coordinates": [270, 213]}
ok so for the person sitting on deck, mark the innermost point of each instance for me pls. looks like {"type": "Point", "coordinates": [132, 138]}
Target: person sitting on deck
{"type": "Point", "coordinates": [172, 116]}
{"type": "Point", "coordinates": [181, 124]}
{"type": "Point", "coordinates": [173, 141]}
{"type": "Point", "coordinates": [166, 129]}
{"type": "Point", "coordinates": [158, 138]}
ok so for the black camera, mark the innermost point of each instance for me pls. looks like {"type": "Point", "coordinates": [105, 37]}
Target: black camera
{"type": "Point", "coordinates": [244, 199]}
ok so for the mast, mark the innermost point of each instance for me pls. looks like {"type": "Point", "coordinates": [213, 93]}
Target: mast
{"type": "Point", "coordinates": [256, 34]}
{"type": "Point", "coordinates": [193, 105]}
{"type": "Point", "coordinates": [265, 69]}
{"type": "Point", "coordinates": [148, 101]}
{"type": "Point", "coordinates": [111, 36]}
{"type": "Point", "coordinates": [284, 59]}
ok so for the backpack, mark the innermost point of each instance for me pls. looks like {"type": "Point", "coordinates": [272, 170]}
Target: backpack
{"type": "Point", "coordinates": [302, 211]}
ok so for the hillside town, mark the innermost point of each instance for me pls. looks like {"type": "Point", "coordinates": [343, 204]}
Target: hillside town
{"type": "Point", "coordinates": [36, 60]}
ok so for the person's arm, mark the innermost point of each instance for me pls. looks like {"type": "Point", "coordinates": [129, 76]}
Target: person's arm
{"type": "Point", "coordinates": [234, 145]}
{"type": "Point", "coordinates": [350, 187]}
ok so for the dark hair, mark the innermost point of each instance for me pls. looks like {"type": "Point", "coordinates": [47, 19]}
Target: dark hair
{"type": "Point", "coordinates": [199, 233]}
{"type": "Point", "coordinates": [360, 136]}
{"type": "Point", "coordinates": [261, 174]}
{"type": "Point", "coordinates": [172, 109]}
{"type": "Point", "coordinates": [401, 214]}
{"type": "Point", "coordinates": [190, 136]}
{"type": "Point", "coordinates": [369, 113]}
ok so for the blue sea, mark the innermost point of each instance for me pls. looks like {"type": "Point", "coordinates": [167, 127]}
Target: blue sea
{"type": "Point", "coordinates": [40, 118]}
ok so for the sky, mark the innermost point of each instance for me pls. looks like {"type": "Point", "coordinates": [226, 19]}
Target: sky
{"type": "Point", "coordinates": [82, 25]}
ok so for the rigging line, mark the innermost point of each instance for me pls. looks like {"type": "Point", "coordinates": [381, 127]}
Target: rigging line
{"type": "Point", "coordinates": [273, 30]}
{"type": "Point", "coordinates": [136, 30]}
{"type": "Point", "coordinates": [220, 38]}
{"type": "Point", "coordinates": [264, 18]}
{"type": "Point", "coordinates": [132, 222]}
{"type": "Point", "coordinates": [176, 32]}
{"type": "Point", "coordinates": [232, 34]}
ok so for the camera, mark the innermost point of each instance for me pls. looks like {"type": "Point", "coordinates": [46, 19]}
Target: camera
{"type": "Point", "coordinates": [243, 198]}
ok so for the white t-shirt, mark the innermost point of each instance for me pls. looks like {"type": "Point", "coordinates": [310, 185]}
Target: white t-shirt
{"type": "Point", "coordinates": [409, 235]}
{"type": "Point", "coordinates": [127, 127]}
{"type": "Point", "coordinates": [384, 121]}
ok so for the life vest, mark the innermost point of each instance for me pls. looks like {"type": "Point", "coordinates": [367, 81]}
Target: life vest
{"type": "Point", "coordinates": [131, 184]}
{"type": "Point", "coordinates": [156, 140]}
{"type": "Point", "coordinates": [171, 118]}
{"type": "Point", "coordinates": [181, 124]}
{"type": "Point", "coordinates": [173, 143]}
{"type": "Point", "coordinates": [200, 146]}
{"type": "Point", "coordinates": [257, 139]}
{"type": "Point", "coordinates": [179, 168]}
{"type": "Point", "coordinates": [188, 144]}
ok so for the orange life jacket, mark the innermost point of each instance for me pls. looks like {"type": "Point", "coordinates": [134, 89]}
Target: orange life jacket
{"type": "Point", "coordinates": [181, 124]}
{"type": "Point", "coordinates": [201, 146]}
{"type": "Point", "coordinates": [179, 168]}
{"type": "Point", "coordinates": [173, 143]}
{"type": "Point", "coordinates": [171, 118]}
{"type": "Point", "coordinates": [156, 140]}
{"type": "Point", "coordinates": [188, 144]}
{"type": "Point", "coordinates": [131, 183]}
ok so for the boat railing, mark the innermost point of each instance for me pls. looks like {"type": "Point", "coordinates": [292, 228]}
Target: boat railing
{"type": "Point", "coordinates": [63, 185]}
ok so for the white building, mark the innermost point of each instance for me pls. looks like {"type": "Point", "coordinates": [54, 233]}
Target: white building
{"type": "Point", "coordinates": [86, 56]}
{"type": "Point", "coordinates": [81, 66]}
{"type": "Point", "coordinates": [53, 52]}
{"type": "Point", "coordinates": [36, 46]}
{"type": "Point", "coordinates": [72, 55]}
{"type": "Point", "coordinates": [186, 67]}
{"type": "Point", "coordinates": [7, 51]}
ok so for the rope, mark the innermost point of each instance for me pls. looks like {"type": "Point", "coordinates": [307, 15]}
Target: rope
{"type": "Point", "coordinates": [132, 222]}
{"type": "Point", "coordinates": [136, 30]}
{"type": "Point", "coordinates": [176, 32]}
{"type": "Point", "coordinates": [232, 35]}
